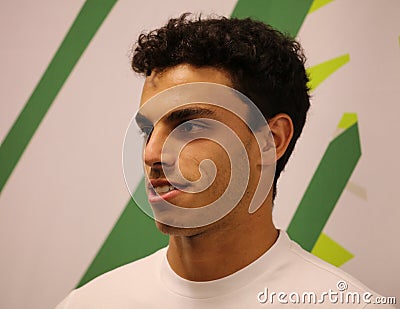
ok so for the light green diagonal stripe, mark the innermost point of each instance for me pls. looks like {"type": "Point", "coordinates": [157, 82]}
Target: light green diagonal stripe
{"type": "Point", "coordinates": [86, 24]}
{"type": "Point", "coordinates": [330, 251]}
{"type": "Point", "coordinates": [322, 71]}
{"type": "Point", "coordinates": [347, 120]}
{"type": "Point", "coordinates": [317, 4]}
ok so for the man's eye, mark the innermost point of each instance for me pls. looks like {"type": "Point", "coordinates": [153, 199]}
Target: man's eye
{"type": "Point", "coordinates": [190, 127]}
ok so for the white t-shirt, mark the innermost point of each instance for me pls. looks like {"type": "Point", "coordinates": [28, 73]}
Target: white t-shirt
{"type": "Point", "coordinates": [286, 275]}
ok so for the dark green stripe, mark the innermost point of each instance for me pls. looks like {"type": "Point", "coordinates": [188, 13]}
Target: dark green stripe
{"type": "Point", "coordinates": [134, 236]}
{"type": "Point", "coordinates": [325, 188]}
{"type": "Point", "coordinates": [284, 15]}
{"type": "Point", "coordinates": [75, 42]}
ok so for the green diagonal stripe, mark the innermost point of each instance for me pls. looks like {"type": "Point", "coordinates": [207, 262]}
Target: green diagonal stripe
{"type": "Point", "coordinates": [134, 236]}
{"type": "Point", "coordinates": [284, 15]}
{"type": "Point", "coordinates": [75, 42]}
{"type": "Point", "coordinates": [325, 188]}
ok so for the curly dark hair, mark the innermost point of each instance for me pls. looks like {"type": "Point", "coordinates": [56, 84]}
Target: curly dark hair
{"type": "Point", "coordinates": [263, 63]}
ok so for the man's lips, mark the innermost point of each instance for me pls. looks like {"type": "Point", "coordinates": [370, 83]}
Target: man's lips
{"type": "Point", "coordinates": [162, 189]}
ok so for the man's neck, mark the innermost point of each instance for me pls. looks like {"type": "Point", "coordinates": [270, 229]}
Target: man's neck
{"type": "Point", "coordinates": [218, 252]}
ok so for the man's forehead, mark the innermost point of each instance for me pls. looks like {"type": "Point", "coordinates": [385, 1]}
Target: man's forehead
{"type": "Point", "coordinates": [152, 86]}
{"type": "Point", "coordinates": [160, 80]}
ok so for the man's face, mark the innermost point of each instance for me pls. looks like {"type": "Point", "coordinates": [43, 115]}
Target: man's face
{"type": "Point", "coordinates": [187, 123]}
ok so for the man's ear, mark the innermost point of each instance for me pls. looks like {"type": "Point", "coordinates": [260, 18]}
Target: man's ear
{"type": "Point", "coordinates": [266, 143]}
{"type": "Point", "coordinates": [281, 127]}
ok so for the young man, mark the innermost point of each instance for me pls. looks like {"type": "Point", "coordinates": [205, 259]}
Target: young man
{"type": "Point", "coordinates": [235, 258]}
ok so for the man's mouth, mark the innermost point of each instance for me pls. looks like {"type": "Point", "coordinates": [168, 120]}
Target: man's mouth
{"type": "Point", "coordinates": [161, 189]}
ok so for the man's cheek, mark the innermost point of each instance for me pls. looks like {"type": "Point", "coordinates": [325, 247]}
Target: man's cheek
{"type": "Point", "coordinates": [190, 160]}
{"type": "Point", "coordinates": [188, 167]}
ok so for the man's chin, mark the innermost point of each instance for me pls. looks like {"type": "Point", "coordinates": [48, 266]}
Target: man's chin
{"type": "Point", "coordinates": [172, 219]}
{"type": "Point", "coordinates": [178, 231]}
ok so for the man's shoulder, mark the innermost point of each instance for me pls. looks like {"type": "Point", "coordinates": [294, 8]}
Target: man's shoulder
{"type": "Point", "coordinates": [122, 283]}
{"type": "Point", "coordinates": [313, 271]}
{"type": "Point", "coordinates": [298, 271]}
{"type": "Point", "coordinates": [134, 270]}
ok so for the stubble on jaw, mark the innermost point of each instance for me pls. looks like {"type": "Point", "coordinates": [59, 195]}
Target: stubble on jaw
{"type": "Point", "coordinates": [233, 219]}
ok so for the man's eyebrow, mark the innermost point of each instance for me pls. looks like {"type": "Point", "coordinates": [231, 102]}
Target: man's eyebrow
{"type": "Point", "coordinates": [181, 114]}
{"type": "Point", "coordinates": [142, 120]}
{"type": "Point", "coordinates": [189, 112]}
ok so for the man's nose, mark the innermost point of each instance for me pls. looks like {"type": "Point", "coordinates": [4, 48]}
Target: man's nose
{"type": "Point", "coordinates": [153, 156]}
